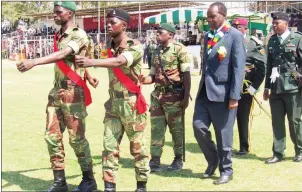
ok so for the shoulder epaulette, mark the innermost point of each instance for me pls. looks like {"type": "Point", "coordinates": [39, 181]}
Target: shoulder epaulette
{"type": "Point", "coordinates": [298, 32]}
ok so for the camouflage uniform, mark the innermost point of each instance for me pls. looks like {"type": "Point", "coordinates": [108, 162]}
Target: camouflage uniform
{"type": "Point", "coordinates": [151, 52]}
{"type": "Point", "coordinates": [121, 117]}
{"type": "Point", "coordinates": [165, 105]}
{"type": "Point", "coordinates": [69, 110]}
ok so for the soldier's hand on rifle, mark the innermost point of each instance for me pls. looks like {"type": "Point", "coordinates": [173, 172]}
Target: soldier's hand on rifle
{"type": "Point", "coordinates": [61, 93]}
{"type": "Point", "coordinates": [83, 62]}
{"type": "Point", "coordinates": [93, 81]}
{"type": "Point", "coordinates": [25, 65]}
{"type": "Point", "coordinates": [266, 94]}
{"type": "Point", "coordinates": [185, 102]}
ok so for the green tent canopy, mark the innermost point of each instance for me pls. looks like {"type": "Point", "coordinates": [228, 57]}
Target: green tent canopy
{"type": "Point", "coordinates": [258, 21]}
{"type": "Point", "coordinates": [177, 16]}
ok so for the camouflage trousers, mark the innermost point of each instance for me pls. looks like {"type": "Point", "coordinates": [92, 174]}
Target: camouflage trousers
{"type": "Point", "coordinates": [68, 111]}
{"type": "Point", "coordinates": [120, 117]}
{"type": "Point", "coordinates": [165, 110]}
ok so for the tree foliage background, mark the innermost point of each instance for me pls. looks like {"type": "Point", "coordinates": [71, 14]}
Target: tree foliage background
{"type": "Point", "coordinates": [14, 11]}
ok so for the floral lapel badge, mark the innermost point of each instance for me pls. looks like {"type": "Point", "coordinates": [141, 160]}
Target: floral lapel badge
{"type": "Point", "coordinates": [222, 52]}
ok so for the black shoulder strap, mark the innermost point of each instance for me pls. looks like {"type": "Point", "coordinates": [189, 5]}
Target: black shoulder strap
{"type": "Point", "coordinates": [162, 67]}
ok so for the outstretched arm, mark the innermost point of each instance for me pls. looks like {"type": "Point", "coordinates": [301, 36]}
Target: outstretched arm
{"type": "Point", "coordinates": [26, 65]}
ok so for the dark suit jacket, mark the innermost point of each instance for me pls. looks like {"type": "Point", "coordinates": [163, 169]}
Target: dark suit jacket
{"type": "Point", "coordinates": [224, 79]}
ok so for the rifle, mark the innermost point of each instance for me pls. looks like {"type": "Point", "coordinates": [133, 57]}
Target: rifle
{"type": "Point", "coordinates": [184, 135]}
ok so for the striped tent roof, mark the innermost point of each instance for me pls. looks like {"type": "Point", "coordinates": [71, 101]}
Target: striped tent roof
{"type": "Point", "coordinates": [177, 16]}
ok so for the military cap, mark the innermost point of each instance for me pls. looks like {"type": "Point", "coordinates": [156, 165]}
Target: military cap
{"type": "Point", "coordinates": [167, 27]}
{"type": "Point", "coordinates": [240, 21]}
{"type": "Point", "coordinates": [70, 5]}
{"type": "Point", "coordinates": [119, 13]}
{"type": "Point", "coordinates": [280, 16]}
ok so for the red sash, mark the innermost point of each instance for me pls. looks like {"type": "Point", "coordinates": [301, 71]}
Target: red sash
{"type": "Point", "coordinates": [141, 104]}
{"type": "Point", "coordinates": [73, 76]}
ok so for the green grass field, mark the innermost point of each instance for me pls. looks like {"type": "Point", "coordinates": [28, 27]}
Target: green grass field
{"type": "Point", "coordinates": [25, 160]}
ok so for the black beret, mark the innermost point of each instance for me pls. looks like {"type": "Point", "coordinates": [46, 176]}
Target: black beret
{"type": "Point", "coordinates": [119, 13]}
{"type": "Point", "coordinates": [280, 16]}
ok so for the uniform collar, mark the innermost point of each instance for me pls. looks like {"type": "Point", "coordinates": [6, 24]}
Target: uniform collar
{"type": "Point", "coordinates": [123, 43]}
{"type": "Point", "coordinates": [68, 30]}
{"type": "Point", "coordinates": [168, 46]}
{"type": "Point", "coordinates": [284, 35]}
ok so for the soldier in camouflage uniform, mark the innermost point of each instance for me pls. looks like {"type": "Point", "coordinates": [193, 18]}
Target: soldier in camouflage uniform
{"type": "Point", "coordinates": [66, 106]}
{"type": "Point", "coordinates": [283, 60]}
{"type": "Point", "coordinates": [151, 52]}
{"type": "Point", "coordinates": [121, 114]}
{"type": "Point", "coordinates": [171, 73]}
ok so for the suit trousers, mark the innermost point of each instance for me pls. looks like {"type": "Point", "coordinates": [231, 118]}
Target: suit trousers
{"type": "Point", "coordinates": [207, 112]}
{"type": "Point", "coordinates": [243, 119]}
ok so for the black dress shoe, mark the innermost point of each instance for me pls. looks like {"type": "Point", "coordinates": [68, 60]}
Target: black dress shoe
{"type": "Point", "coordinates": [297, 158]}
{"type": "Point", "coordinates": [209, 171]}
{"type": "Point", "coordinates": [241, 153]}
{"type": "Point", "coordinates": [223, 179]}
{"type": "Point", "coordinates": [273, 160]}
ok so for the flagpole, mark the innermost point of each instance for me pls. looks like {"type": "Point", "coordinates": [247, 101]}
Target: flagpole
{"type": "Point", "coordinates": [99, 28]}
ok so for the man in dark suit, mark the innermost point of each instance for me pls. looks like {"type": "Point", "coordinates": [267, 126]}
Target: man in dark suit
{"type": "Point", "coordinates": [219, 91]}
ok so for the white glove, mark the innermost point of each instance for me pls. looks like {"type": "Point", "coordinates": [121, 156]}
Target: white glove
{"type": "Point", "coordinates": [275, 74]}
{"type": "Point", "coordinates": [251, 90]}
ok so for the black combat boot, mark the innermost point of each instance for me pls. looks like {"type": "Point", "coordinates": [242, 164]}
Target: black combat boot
{"type": "Point", "coordinates": [155, 164]}
{"type": "Point", "coordinates": [176, 164]}
{"type": "Point", "coordinates": [88, 183]}
{"type": "Point", "coordinates": [141, 186]}
{"type": "Point", "coordinates": [59, 184]}
{"type": "Point", "coordinates": [110, 187]}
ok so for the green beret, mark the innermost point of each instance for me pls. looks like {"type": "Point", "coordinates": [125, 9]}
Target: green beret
{"type": "Point", "coordinates": [280, 16]}
{"type": "Point", "coordinates": [70, 5]}
{"type": "Point", "coordinates": [168, 27]}
{"type": "Point", "coordinates": [119, 13]}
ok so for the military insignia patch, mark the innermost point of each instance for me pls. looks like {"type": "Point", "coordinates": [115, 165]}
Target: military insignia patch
{"type": "Point", "coordinates": [262, 51]}
{"type": "Point", "coordinates": [59, 2]}
{"type": "Point", "coordinates": [290, 45]}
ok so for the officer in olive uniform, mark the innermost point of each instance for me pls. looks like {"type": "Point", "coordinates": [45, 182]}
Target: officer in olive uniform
{"type": "Point", "coordinates": [254, 76]}
{"type": "Point", "coordinates": [170, 71]}
{"type": "Point", "coordinates": [284, 58]}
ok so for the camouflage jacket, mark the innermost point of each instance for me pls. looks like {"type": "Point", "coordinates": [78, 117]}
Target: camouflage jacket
{"type": "Point", "coordinates": [175, 60]}
{"type": "Point", "coordinates": [132, 50]}
{"type": "Point", "coordinates": [78, 40]}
